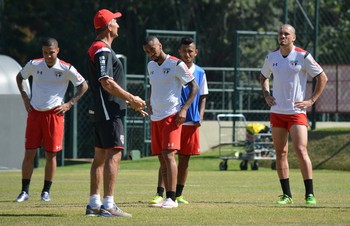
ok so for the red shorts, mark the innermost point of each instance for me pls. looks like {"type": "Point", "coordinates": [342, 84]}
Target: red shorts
{"type": "Point", "coordinates": [165, 135]}
{"type": "Point", "coordinates": [190, 144]}
{"type": "Point", "coordinates": [286, 121]}
{"type": "Point", "coordinates": [44, 128]}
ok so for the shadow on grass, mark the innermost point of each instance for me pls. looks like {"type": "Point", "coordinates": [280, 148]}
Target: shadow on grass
{"type": "Point", "coordinates": [77, 161]}
{"type": "Point", "coordinates": [30, 215]}
{"type": "Point", "coordinates": [206, 157]}
{"type": "Point", "coordinates": [314, 207]}
{"type": "Point", "coordinates": [344, 147]}
{"type": "Point", "coordinates": [237, 203]}
{"type": "Point", "coordinates": [317, 135]}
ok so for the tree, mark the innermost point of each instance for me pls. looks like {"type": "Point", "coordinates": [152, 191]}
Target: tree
{"type": "Point", "coordinates": [24, 23]}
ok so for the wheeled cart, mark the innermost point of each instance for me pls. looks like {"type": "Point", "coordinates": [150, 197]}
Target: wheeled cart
{"type": "Point", "coordinates": [240, 140]}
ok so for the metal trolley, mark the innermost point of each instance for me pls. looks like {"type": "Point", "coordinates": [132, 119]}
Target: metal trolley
{"type": "Point", "coordinates": [235, 142]}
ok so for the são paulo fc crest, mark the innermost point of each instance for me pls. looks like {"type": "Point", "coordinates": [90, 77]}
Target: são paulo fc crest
{"type": "Point", "coordinates": [166, 71]}
{"type": "Point", "coordinates": [58, 74]}
{"type": "Point", "coordinates": [293, 62]}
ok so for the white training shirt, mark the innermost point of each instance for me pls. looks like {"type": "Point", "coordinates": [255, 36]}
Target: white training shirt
{"type": "Point", "coordinates": [50, 84]}
{"type": "Point", "coordinates": [166, 83]}
{"type": "Point", "coordinates": [289, 78]}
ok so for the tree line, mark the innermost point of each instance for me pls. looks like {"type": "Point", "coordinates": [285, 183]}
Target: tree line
{"type": "Point", "coordinates": [24, 23]}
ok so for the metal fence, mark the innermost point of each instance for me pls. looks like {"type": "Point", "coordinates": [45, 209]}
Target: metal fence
{"type": "Point", "coordinates": [237, 89]}
{"type": "Point", "coordinates": [222, 92]}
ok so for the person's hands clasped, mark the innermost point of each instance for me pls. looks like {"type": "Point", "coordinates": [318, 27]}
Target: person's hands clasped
{"type": "Point", "coordinates": [138, 105]}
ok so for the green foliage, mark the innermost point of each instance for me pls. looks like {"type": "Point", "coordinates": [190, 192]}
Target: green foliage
{"type": "Point", "coordinates": [24, 23]}
{"type": "Point", "coordinates": [336, 33]}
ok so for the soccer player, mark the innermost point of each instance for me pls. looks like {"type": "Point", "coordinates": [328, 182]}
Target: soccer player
{"type": "Point", "coordinates": [109, 101]}
{"type": "Point", "coordinates": [167, 75]}
{"type": "Point", "coordinates": [290, 66]}
{"type": "Point", "coordinates": [190, 143]}
{"type": "Point", "coordinates": [46, 109]}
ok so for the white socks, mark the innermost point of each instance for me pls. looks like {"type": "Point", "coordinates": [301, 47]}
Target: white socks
{"type": "Point", "coordinates": [95, 201]}
{"type": "Point", "coordinates": [108, 202]}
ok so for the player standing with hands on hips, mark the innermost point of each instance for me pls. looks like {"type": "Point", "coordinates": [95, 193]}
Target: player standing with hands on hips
{"type": "Point", "coordinates": [290, 66]}
{"type": "Point", "coordinates": [46, 109]}
{"type": "Point", "coordinates": [109, 101]}
{"type": "Point", "coordinates": [167, 75]}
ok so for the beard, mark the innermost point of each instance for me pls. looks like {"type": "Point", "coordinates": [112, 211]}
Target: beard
{"type": "Point", "coordinates": [156, 59]}
{"type": "Point", "coordinates": [281, 43]}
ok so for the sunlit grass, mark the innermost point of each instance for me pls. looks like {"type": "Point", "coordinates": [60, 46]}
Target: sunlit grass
{"type": "Point", "coordinates": [231, 197]}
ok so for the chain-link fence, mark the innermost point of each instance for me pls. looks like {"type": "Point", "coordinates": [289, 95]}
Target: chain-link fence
{"type": "Point", "coordinates": [323, 34]}
{"type": "Point", "coordinates": [237, 88]}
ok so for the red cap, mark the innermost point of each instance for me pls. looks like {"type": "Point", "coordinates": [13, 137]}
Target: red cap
{"type": "Point", "coordinates": [103, 17]}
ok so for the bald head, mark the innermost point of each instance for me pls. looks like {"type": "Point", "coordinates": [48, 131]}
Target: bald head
{"type": "Point", "coordinates": [288, 27]}
{"type": "Point", "coordinates": [286, 36]}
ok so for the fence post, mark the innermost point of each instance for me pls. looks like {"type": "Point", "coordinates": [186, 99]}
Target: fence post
{"type": "Point", "coordinates": [313, 108]}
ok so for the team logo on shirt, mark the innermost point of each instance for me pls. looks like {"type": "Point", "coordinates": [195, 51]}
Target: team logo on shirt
{"type": "Point", "coordinates": [39, 72]}
{"type": "Point", "coordinates": [274, 64]}
{"type": "Point", "coordinates": [102, 60]}
{"type": "Point", "coordinates": [166, 71]}
{"type": "Point", "coordinates": [293, 62]}
{"type": "Point", "coordinates": [58, 74]}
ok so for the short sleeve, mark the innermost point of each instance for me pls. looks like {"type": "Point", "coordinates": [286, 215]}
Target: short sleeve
{"type": "Point", "coordinates": [311, 66]}
{"type": "Point", "coordinates": [27, 70]}
{"type": "Point", "coordinates": [74, 76]}
{"type": "Point", "coordinates": [183, 73]}
{"type": "Point", "coordinates": [204, 86]}
{"type": "Point", "coordinates": [104, 63]}
{"type": "Point", "coordinates": [266, 71]}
